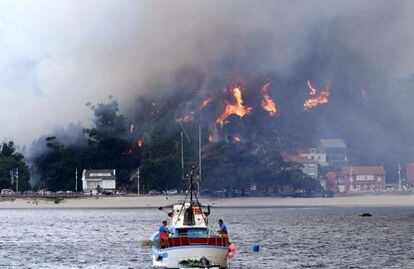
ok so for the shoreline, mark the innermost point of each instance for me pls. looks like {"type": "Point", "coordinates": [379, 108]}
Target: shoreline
{"type": "Point", "coordinates": [143, 202]}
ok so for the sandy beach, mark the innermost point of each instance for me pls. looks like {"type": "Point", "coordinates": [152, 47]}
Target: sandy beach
{"type": "Point", "coordinates": [367, 200]}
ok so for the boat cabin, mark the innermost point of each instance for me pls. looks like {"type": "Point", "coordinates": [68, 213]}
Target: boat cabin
{"type": "Point", "coordinates": [189, 219]}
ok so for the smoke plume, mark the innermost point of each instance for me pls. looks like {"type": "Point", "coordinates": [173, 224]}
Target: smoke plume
{"type": "Point", "coordinates": [55, 56]}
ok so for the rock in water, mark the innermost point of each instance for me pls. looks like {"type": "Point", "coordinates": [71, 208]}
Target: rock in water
{"type": "Point", "coordinates": [365, 215]}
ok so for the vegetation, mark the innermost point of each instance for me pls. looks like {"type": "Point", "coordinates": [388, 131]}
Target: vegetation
{"type": "Point", "coordinates": [152, 143]}
{"type": "Point", "coordinates": [13, 165]}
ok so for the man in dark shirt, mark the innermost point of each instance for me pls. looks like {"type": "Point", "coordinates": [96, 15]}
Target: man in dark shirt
{"type": "Point", "coordinates": [223, 229]}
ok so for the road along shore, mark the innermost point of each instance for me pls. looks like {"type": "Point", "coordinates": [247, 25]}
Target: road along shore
{"type": "Point", "coordinates": [355, 200]}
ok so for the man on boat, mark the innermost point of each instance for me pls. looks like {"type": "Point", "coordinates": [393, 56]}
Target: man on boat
{"type": "Point", "coordinates": [163, 232]}
{"type": "Point", "coordinates": [223, 229]}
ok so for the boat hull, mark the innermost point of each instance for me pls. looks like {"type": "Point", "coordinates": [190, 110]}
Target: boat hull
{"type": "Point", "coordinates": [171, 257]}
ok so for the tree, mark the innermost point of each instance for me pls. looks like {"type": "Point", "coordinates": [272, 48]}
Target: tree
{"type": "Point", "coordinates": [56, 166]}
{"type": "Point", "coordinates": [11, 164]}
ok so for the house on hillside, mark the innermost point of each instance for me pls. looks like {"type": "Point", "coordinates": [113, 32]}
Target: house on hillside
{"type": "Point", "coordinates": [361, 178]}
{"type": "Point", "coordinates": [336, 152]}
{"type": "Point", "coordinates": [309, 167]}
{"type": "Point", "coordinates": [104, 178]}
{"type": "Point", "coordinates": [314, 154]}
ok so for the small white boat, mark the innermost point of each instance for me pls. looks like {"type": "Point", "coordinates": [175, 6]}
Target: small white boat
{"type": "Point", "coordinates": [191, 242]}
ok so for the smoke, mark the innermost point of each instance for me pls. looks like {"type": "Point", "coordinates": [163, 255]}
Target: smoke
{"type": "Point", "coordinates": [55, 56]}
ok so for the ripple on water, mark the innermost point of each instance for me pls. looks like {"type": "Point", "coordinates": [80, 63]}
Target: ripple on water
{"type": "Point", "coordinates": [288, 237]}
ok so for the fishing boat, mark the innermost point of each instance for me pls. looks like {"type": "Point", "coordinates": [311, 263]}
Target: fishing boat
{"type": "Point", "coordinates": [191, 243]}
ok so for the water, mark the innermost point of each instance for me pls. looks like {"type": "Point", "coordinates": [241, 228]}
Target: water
{"type": "Point", "coordinates": [288, 237]}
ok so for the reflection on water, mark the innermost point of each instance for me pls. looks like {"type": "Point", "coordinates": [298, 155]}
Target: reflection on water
{"type": "Point", "coordinates": [288, 237]}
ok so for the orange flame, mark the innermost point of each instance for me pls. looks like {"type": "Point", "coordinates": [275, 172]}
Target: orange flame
{"type": "Point", "coordinates": [233, 109]}
{"type": "Point", "coordinates": [267, 103]}
{"type": "Point", "coordinates": [322, 98]}
{"type": "Point", "coordinates": [206, 102]}
{"type": "Point", "coordinates": [190, 115]}
{"type": "Point", "coordinates": [186, 118]}
{"type": "Point", "coordinates": [139, 143]}
{"type": "Point", "coordinates": [313, 90]}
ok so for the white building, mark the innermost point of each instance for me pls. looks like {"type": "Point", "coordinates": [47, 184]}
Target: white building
{"type": "Point", "coordinates": [104, 178]}
{"type": "Point", "coordinates": [314, 154]}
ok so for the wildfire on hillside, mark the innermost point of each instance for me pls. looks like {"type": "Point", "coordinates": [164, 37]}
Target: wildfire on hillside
{"type": "Point", "coordinates": [238, 108]}
{"type": "Point", "coordinates": [237, 138]}
{"type": "Point", "coordinates": [205, 103]}
{"type": "Point", "coordinates": [321, 98]}
{"type": "Point", "coordinates": [267, 103]}
{"type": "Point", "coordinates": [190, 116]}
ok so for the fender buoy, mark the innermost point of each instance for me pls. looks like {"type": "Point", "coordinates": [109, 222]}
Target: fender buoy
{"type": "Point", "coordinates": [230, 254]}
{"type": "Point", "coordinates": [232, 248]}
{"type": "Point", "coordinates": [256, 247]}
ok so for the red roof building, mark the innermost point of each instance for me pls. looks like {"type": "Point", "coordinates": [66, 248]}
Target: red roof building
{"type": "Point", "coordinates": [361, 178]}
{"type": "Point", "coordinates": [410, 174]}
{"type": "Point", "coordinates": [331, 184]}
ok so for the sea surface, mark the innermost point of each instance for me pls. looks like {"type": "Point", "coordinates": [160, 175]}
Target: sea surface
{"type": "Point", "coordinates": [288, 237]}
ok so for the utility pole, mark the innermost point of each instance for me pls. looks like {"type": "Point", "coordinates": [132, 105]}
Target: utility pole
{"type": "Point", "coordinates": [17, 180]}
{"type": "Point", "coordinates": [76, 179]}
{"type": "Point", "coordinates": [138, 175]}
{"type": "Point", "coordinates": [399, 177]}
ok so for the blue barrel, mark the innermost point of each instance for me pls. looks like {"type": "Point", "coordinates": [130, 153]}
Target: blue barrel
{"type": "Point", "coordinates": [256, 247]}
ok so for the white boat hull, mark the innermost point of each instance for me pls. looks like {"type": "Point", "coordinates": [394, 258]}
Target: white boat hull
{"type": "Point", "coordinates": [171, 257]}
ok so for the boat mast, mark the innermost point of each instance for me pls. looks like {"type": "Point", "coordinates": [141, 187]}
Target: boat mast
{"type": "Point", "coordinates": [182, 156]}
{"type": "Point", "coordinates": [199, 159]}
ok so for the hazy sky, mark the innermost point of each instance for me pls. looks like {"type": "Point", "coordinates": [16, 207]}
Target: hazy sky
{"type": "Point", "coordinates": [55, 56]}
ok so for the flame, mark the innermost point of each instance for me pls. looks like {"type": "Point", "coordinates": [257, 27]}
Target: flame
{"type": "Point", "coordinates": [186, 118]}
{"type": "Point", "coordinates": [267, 103]}
{"type": "Point", "coordinates": [233, 109]}
{"type": "Point", "coordinates": [313, 90]}
{"type": "Point", "coordinates": [237, 138]}
{"type": "Point", "coordinates": [205, 102]}
{"type": "Point", "coordinates": [322, 98]}
{"type": "Point", "coordinates": [190, 115]}
{"type": "Point", "coordinates": [139, 143]}
{"type": "Point", "coordinates": [131, 129]}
